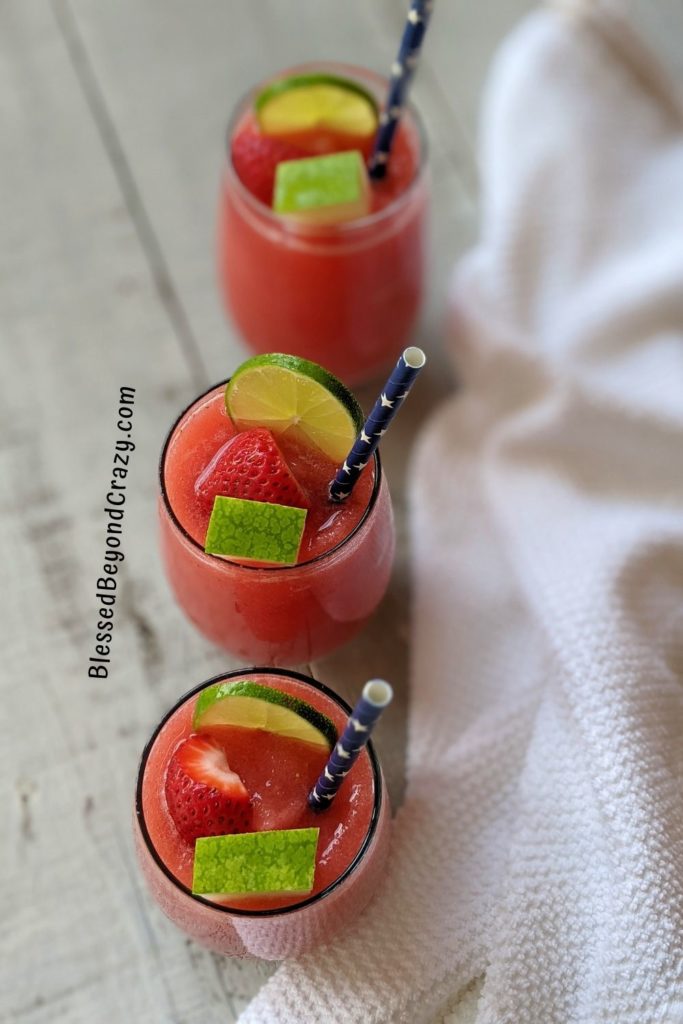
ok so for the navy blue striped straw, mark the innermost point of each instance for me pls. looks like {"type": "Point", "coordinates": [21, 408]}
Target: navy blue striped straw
{"type": "Point", "coordinates": [401, 75]}
{"type": "Point", "coordinates": [385, 408]}
{"type": "Point", "coordinates": [376, 695]}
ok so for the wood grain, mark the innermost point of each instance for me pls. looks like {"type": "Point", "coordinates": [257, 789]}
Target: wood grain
{"type": "Point", "coordinates": [113, 138]}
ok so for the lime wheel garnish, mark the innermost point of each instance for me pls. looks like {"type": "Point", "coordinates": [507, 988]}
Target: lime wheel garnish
{"type": "Point", "coordinates": [254, 706]}
{"type": "Point", "coordinates": [296, 399]}
{"type": "Point", "coordinates": [300, 105]}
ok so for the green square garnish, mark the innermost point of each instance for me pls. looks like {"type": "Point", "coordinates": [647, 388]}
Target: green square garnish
{"type": "Point", "coordinates": [322, 187]}
{"type": "Point", "coordinates": [279, 862]}
{"type": "Point", "coordinates": [255, 531]}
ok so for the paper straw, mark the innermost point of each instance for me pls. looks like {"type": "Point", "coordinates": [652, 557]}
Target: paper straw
{"type": "Point", "coordinates": [376, 695]}
{"type": "Point", "coordinates": [401, 75]}
{"type": "Point", "coordinates": [385, 408]}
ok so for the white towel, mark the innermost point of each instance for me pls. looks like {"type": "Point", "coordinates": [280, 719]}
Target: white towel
{"type": "Point", "coordinates": [541, 840]}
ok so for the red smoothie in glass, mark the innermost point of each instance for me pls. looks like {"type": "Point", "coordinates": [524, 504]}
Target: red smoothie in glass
{"type": "Point", "coordinates": [208, 430]}
{"type": "Point", "coordinates": [345, 295]}
{"type": "Point", "coordinates": [274, 614]}
{"type": "Point", "coordinates": [278, 773]}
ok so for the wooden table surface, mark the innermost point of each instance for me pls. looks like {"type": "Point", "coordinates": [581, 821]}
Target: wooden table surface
{"type": "Point", "coordinates": [113, 120]}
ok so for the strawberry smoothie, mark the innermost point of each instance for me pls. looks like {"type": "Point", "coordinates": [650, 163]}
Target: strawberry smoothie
{"type": "Point", "coordinates": [271, 614]}
{"type": "Point", "coordinates": [346, 295]}
{"type": "Point", "coordinates": [267, 781]}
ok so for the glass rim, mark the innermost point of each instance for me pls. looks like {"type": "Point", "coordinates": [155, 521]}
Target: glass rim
{"type": "Point", "coordinates": [241, 565]}
{"type": "Point", "coordinates": [347, 228]}
{"type": "Point", "coordinates": [378, 799]}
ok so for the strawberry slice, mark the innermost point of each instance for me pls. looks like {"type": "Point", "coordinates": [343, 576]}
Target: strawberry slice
{"type": "Point", "coordinates": [255, 158]}
{"type": "Point", "coordinates": [204, 796]}
{"type": "Point", "coordinates": [250, 465]}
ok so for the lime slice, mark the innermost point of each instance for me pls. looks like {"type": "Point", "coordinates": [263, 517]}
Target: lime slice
{"type": "Point", "coordinates": [297, 398]}
{"type": "Point", "coordinates": [253, 706]}
{"type": "Point", "coordinates": [306, 103]}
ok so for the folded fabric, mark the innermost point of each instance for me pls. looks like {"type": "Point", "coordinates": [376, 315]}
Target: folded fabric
{"type": "Point", "coordinates": [541, 840]}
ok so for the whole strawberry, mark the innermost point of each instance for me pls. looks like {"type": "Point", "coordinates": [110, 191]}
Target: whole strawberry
{"type": "Point", "coordinates": [204, 796]}
{"type": "Point", "coordinates": [250, 465]}
{"type": "Point", "coordinates": [255, 158]}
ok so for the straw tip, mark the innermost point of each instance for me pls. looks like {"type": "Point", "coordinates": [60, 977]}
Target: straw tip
{"type": "Point", "coordinates": [414, 357]}
{"type": "Point", "coordinates": [378, 692]}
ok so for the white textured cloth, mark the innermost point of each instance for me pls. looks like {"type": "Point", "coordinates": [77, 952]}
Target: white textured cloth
{"type": "Point", "coordinates": [541, 840]}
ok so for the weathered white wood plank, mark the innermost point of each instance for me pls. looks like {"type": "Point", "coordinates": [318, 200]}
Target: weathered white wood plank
{"type": "Point", "coordinates": [82, 316]}
{"type": "Point", "coordinates": [462, 48]}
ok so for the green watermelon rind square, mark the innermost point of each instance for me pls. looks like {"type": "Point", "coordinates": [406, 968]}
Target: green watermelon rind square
{"type": "Point", "coordinates": [255, 531]}
{"type": "Point", "coordinates": [280, 862]}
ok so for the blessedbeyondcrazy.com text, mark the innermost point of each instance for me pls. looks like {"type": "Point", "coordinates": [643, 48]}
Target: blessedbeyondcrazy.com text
{"type": "Point", "coordinates": [107, 583]}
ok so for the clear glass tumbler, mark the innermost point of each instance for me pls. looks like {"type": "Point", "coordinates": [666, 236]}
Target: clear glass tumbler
{"type": "Point", "coordinates": [272, 934]}
{"type": "Point", "coordinates": [278, 615]}
{"type": "Point", "coordinates": [346, 296]}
